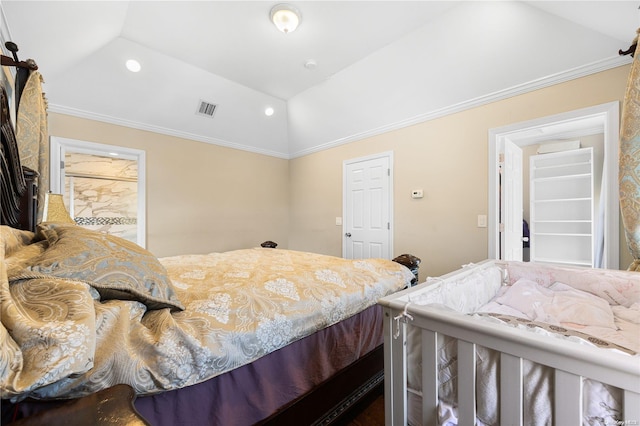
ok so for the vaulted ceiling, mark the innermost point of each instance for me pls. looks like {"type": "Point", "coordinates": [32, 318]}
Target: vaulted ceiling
{"type": "Point", "coordinates": [379, 64]}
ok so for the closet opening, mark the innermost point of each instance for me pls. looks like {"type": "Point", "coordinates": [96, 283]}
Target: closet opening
{"type": "Point", "coordinates": [598, 122]}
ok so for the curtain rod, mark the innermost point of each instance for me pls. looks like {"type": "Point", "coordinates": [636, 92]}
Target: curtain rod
{"type": "Point", "coordinates": [631, 50]}
{"type": "Point", "coordinates": [15, 62]}
{"type": "Point", "coordinates": [29, 63]}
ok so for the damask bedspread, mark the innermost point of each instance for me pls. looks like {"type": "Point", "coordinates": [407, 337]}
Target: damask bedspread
{"type": "Point", "coordinates": [82, 311]}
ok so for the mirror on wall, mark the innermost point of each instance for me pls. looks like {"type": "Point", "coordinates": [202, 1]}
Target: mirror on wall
{"type": "Point", "coordinates": [102, 185]}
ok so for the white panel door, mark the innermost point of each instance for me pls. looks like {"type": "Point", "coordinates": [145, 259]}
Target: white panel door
{"type": "Point", "coordinates": [511, 203]}
{"type": "Point", "coordinates": [367, 209]}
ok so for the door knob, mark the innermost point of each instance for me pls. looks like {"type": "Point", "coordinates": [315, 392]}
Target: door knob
{"type": "Point", "coordinates": [348, 235]}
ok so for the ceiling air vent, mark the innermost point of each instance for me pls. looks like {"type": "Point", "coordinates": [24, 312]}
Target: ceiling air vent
{"type": "Point", "coordinates": [207, 109]}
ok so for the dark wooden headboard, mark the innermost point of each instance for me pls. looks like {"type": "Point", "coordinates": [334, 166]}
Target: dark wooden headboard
{"type": "Point", "coordinates": [12, 183]}
{"type": "Point", "coordinates": [18, 184]}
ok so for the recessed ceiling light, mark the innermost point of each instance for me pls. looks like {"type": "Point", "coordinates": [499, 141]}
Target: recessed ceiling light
{"type": "Point", "coordinates": [269, 111]}
{"type": "Point", "coordinates": [133, 65]}
{"type": "Point", "coordinates": [310, 64]}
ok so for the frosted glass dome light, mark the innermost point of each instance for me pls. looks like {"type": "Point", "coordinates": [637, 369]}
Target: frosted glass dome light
{"type": "Point", "coordinates": [285, 17]}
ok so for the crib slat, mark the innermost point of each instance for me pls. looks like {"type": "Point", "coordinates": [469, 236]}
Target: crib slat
{"type": "Point", "coordinates": [511, 396]}
{"type": "Point", "coordinates": [429, 377]}
{"type": "Point", "coordinates": [631, 407]}
{"type": "Point", "coordinates": [466, 383]}
{"type": "Point", "coordinates": [568, 399]}
{"type": "Point", "coordinates": [395, 367]}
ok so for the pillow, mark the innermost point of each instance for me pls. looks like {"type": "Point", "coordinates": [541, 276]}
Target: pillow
{"type": "Point", "coordinates": [14, 239]}
{"type": "Point", "coordinates": [115, 267]}
{"type": "Point", "coordinates": [557, 304]}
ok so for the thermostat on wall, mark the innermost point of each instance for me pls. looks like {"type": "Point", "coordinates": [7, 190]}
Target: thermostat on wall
{"type": "Point", "coordinates": [417, 193]}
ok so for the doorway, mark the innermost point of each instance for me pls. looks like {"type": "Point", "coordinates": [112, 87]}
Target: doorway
{"type": "Point", "coordinates": [103, 186]}
{"type": "Point", "coordinates": [601, 119]}
{"type": "Point", "coordinates": [367, 207]}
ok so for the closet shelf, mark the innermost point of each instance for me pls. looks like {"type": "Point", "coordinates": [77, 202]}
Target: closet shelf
{"type": "Point", "coordinates": [563, 177]}
{"type": "Point", "coordinates": [559, 234]}
{"type": "Point", "coordinates": [562, 207]}
{"type": "Point", "coordinates": [557, 200]}
{"type": "Point", "coordinates": [563, 165]}
{"type": "Point", "coordinates": [562, 221]}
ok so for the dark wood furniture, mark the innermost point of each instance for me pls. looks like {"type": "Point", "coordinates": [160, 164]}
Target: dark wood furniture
{"type": "Point", "coordinates": [412, 262]}
{"type": "Point", "coordinates": [112, 406]}
{"type": "Point", "coordinates": [335, 400]}
{"type": "Point", "coordinates": [29, 201]}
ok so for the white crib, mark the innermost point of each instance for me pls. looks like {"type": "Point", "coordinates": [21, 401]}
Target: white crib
{"type": "Point", "coordinates": [571, 361]}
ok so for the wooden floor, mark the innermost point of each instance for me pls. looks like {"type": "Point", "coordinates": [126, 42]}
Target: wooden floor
{"type": "Point", "coordinates": [367, 412]}
{"type": "Point", "coordinates": [370, 415]}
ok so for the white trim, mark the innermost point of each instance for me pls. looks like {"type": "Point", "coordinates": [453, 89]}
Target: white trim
{"type": "Point", "coordinates": [345, 163]}
{"type": "Point", "coordinates": [609, 113]}
{"type": "Point", "coordinates": [60, 109]}
{"type": "Point", "coordinates": [56, 145]}
{"type": "Point", "coordinates": [5, 30]}
{"type": "Point", "coordinates": [561, 77]}
{"type": "Point", "coordinates": [520, 89]}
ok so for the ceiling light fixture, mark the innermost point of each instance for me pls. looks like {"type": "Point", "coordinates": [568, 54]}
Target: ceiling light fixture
{"type": "Point", "coordinates": [133, 65]}
{"type": "Point", "coordinates": [269, 111]}
{"type": "Point", "coordinates": [285, 17]}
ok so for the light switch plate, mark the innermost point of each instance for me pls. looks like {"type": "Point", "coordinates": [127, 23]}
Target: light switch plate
{"type": "Point", "coordinates": [482, 221]}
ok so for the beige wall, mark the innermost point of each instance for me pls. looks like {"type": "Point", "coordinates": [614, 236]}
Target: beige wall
{"type": "Point", "coordinates": [203, 198]}
{"type": "Point", "coordinates": [200, 197]}
{"type": "Point", "coordinates": [448, 158]}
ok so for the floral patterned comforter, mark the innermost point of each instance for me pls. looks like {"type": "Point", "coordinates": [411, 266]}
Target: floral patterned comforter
{"type": "Point", "coordinates": [82, 311]}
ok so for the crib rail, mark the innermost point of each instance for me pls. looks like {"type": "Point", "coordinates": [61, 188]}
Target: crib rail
{"type": "Point", "coordinates": [570, 360]}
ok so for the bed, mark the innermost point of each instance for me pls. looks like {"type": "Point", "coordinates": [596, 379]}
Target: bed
{"type": "Point", "coordinates": [512, 343]}
{"type": "Point", "coordinates": [83, 311]}
{"type": "Point", "coordinates": [254, 336]}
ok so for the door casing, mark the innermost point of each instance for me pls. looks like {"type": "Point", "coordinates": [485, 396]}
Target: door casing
{"type": "Point", "coordinates": [605, 117]}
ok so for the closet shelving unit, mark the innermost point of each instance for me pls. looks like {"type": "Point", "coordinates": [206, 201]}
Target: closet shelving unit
{"type": "Point", "coordinates": [562, 207]}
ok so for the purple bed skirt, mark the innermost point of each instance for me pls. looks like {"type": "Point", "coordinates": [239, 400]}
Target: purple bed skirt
{"type": "Point", "coordinates": [255, 391]}
{"type": "Point", "coordinates": [252, 393]}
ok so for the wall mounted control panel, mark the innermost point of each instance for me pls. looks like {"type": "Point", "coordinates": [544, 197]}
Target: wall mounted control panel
{"type": "Point", "coordinates": [417, 193]}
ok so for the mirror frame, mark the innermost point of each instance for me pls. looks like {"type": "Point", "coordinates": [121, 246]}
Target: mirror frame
{"type": "Point", "coordinates": [57, 144]}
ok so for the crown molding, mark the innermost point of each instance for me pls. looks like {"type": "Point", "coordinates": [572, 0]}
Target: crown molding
{"type": "Point", "coordinates": [561, 77]}
{"type": "Point", "coordinates": [60, 109]}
